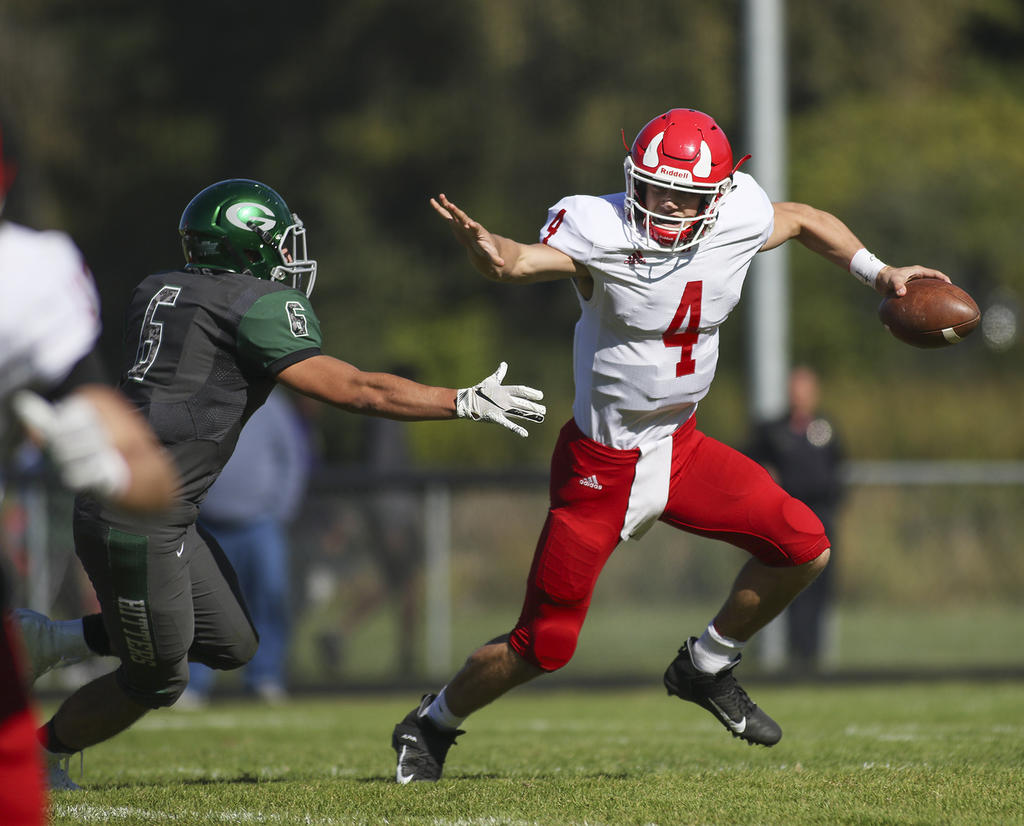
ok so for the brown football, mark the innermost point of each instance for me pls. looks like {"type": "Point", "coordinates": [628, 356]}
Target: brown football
{"type": "Point", "coordinates": [933, 313]}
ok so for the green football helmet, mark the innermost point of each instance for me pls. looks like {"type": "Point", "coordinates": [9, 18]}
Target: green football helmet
{"type": "Point", "coordinates": [244, 226]}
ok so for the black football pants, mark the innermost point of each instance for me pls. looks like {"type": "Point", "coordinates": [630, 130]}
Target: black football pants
{"type": "Point", "coordinates": [168, 595]}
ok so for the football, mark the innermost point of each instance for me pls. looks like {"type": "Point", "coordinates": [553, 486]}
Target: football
{"type": "Point", "coordinates": [933, 313]}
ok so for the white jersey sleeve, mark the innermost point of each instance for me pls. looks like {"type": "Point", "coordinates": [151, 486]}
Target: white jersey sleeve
{"type": "Point", "coordinates": [49, 308]}
{"type": "Point", "coordinates": [646, 345]}
{"type": "Point", "coordinates": [580, 225]}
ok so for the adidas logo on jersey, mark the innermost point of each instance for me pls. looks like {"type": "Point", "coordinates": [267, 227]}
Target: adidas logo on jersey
{"type": "Point", "coordinates": [636, 258]}
{"type": "Point", "coordinates": [591, 482]}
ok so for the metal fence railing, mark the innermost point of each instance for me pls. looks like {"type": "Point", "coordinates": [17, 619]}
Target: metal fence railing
{"type": "Point", "coordinates": [923, 543]}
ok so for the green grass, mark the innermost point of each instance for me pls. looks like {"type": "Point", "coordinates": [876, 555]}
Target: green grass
{"type": "Point", "coordinates": [910, 753]}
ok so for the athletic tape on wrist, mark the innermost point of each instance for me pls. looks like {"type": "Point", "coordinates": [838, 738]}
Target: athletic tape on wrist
{"type": "Point", "coordinates": [865, 266]}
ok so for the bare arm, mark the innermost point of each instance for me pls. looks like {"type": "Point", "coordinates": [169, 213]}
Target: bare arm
{"type": "Point", "coordinates": [99, 443]}
{"type": "Point", "coordinates": [823, 233]}
{"type": "Point", "coordinates": [154, 481]}
{"type": "Point", "coordinates": [381, 394]}
{"type": "Point", "coordinates": [502, 259]}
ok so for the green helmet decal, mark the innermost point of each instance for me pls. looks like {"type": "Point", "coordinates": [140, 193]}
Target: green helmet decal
{"type": "Point", "coordinates": [244, 226]}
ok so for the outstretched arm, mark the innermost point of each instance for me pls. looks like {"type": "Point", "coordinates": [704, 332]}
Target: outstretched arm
{"type": "Point", "coordinates": [502, 259]}
{"type": "Point", "coordinates": [383, 394]}
{"type": "Point", "coordinates": [823, 233]}
{"type": "Point", "coordinates": [343, 385]}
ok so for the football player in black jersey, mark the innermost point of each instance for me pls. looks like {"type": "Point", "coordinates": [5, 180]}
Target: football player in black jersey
{"type": "Point", "coordinates": [204, 346]}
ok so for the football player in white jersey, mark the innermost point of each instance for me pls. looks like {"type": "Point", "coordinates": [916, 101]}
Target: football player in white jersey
{"type": "Point", "coordinates": [657, 270]}
{"type": "Point", "coordinates": [51, 381]}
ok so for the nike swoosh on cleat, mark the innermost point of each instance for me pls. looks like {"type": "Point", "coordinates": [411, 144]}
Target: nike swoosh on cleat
{"type": "Point", "coordinates": [402, 778]}
{"type": "Point", "coordinates": [739, 727]}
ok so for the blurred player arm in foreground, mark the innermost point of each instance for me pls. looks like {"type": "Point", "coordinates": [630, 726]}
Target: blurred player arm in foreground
{"type": "Point", "coordinates": [99, 443]}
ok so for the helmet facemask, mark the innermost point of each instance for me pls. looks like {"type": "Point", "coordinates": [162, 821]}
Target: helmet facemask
{"type": "Point", "coordinates": [672, 232]}
{"type": "Point", "coordinates": [294, 268]}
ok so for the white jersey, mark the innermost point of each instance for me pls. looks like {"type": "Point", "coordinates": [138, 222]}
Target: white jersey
{"type": "Point", "coordinates": [646, 344]}
{"type": "Point", "coordinates": [49, 309]}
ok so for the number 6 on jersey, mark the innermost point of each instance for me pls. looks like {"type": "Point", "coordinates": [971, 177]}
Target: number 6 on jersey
{"type": "Point", "coordinates": [152, 332]}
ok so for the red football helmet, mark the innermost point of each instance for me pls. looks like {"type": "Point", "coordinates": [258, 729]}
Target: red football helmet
{"type": "Point", "coordinates": [684, 150]}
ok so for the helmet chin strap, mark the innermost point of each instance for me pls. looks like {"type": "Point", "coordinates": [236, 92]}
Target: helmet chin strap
{"type": "Point", "coordinates": [262, 233]}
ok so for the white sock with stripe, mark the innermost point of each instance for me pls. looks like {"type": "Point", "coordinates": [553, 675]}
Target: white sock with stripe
{"type": "Point", "coordinates": [713, 651]}
{"type": "Point", "coordinates": [441, 716]}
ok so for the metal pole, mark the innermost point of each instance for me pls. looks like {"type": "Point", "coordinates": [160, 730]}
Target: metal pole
{"type": "Point", "coordinates": [768, 293]}
{"type": "Point", "coordinates": [437, 519]}
{"type": "Point", "coordinates": [767, 288]}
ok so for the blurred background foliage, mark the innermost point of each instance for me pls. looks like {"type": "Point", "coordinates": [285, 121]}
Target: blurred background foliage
{"type": "Point", "coordinates": [904, 119]}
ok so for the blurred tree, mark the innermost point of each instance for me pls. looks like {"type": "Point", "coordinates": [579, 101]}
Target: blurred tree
{"type": "Point", "coordinates": [903, 117]}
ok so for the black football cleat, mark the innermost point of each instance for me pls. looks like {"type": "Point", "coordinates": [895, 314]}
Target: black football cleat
{"type": "Point", "coordinates": [722, 696]}
{"type": "Point", "coordinates": [420, 745]}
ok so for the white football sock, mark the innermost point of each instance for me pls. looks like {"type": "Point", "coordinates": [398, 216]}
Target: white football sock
{"type": "Point", "coordinates": [441, 716]}
{"type": "Point", "coordinates": [712, 651]}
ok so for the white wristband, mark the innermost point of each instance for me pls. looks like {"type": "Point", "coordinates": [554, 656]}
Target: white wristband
{"type": "Point", "coordinates": [866, 266]}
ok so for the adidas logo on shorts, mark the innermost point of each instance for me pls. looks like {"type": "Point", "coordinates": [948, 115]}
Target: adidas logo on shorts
{"type": "Point", "coordinates": [591, 482]}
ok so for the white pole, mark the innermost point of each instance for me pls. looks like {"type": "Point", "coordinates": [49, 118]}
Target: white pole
{"type": "Point", "coordinates": [767, 298]}
{"type": "Point", "coordinates": [437, 579]}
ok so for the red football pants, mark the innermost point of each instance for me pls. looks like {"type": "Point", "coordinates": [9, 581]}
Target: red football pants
{"type": "Point", "coordinates": [709, 489]}
{"type": "Point", "coordinates": [21, 770]}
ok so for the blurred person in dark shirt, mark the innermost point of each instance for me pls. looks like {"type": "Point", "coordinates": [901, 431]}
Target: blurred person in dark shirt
{"type": "Point", "coordinates": [804, 453]}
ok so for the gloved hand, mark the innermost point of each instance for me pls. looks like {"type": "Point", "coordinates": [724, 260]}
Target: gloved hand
{"type": "Point", "coordinates": [489, 401]}
{"type": "Point", "coordinates": [75, 439]}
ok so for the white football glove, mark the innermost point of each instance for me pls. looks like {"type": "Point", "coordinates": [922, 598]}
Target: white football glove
{"type": "Point", "coordinates": [489, 401]}
{"type": "Point", "coordinates": [76, 441]}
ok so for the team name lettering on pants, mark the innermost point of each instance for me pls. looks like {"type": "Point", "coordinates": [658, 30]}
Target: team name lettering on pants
{"type": "Point", "coordinates": [135, 625]}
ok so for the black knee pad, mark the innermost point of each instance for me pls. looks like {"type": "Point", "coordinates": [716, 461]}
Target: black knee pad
{"type": "Point", "coordinates": [154, 687]}
{"type": "Point", "coordinates": [226, 657]}
{"type": "Point", "coordinates": [239, 654]}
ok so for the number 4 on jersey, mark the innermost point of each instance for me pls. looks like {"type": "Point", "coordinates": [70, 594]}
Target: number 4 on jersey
{"type": "Point", "coordinates": [685, 337]}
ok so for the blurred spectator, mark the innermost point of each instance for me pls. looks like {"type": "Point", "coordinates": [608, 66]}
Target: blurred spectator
{"type": "Point", "coordinates": [248, 510]}
{"type": "Point", "coordinates": [803, 452]}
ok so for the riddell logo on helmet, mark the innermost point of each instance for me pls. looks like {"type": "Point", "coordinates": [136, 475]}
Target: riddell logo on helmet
{"type": "Point", "coordinates": [671, 172]}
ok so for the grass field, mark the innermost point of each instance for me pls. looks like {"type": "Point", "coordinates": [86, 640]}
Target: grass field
{"type": "Point", "coordinates": [908, 753]}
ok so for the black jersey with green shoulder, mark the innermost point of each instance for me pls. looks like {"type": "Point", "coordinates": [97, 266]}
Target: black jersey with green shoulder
{"type": "Point", "coordinates": [201, 351]}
